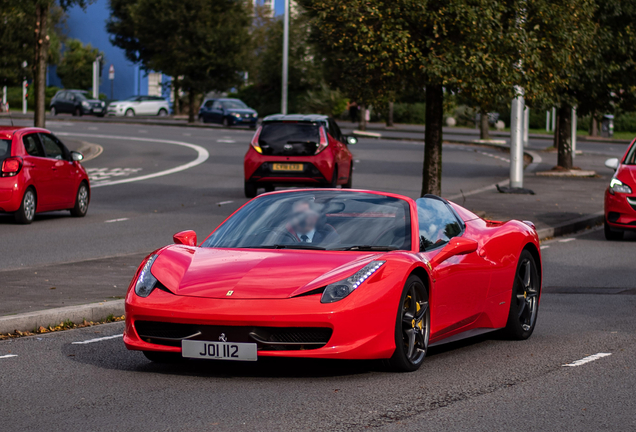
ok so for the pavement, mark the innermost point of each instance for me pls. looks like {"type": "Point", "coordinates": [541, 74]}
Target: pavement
{"type": "Point", "coordinates": [85, 379]}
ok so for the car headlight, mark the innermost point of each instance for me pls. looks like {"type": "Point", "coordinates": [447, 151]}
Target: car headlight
{"type": "Point", "coordinates": [86, 104]}
{"type": "Point", "coordinates": [339, 290]}
{"type": "Point", "coordinates": [103, 103]}
{"type": "Point", "coordinates": [146, 282]}
{"type": "Point", "coordinates": [254, 115]}
{"type": "Point", "coordinates": [237, 115]}
{"type": "Point", "coordinates": [618, 186]}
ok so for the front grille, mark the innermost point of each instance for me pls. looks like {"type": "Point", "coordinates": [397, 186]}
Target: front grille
{"type": "Point", "coordinates": [266, 338]}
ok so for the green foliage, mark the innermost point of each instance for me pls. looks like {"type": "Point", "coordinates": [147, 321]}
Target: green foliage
{"type": "Point", "coordinates": [76, 65]}
{"type": "Point", "coordinates": [324, 101]}
{"type": "Point", "coordinates": [14, 97]}
{"type": "Point", "coordinates": [409, 113]}
{"type": "Point", "coordinates": [204, 41]}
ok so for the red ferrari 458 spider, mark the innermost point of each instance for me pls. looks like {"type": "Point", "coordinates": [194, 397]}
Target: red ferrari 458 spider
{"type": "Point", "coordinates": [335, 273]}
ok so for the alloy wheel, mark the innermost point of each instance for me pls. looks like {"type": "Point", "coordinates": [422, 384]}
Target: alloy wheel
{"type": "Point", "coordinates": [82, 198]}
{"type": "Point", "coordinates": [415, 324]}
{"type": "Point", "coordinates": [527, 295]}
{"type": "Point", "coordinates": [29, 205]}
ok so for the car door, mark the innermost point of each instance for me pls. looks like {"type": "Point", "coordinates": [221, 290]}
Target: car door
{"type": "Point", "coordinates": [461, 282]}
{"type": "Point", "coordinates": [216, 113]}
{"type": "Point", "coordinates": [64, 178]}
{"type": "Point", "coordinates": [41, 171]}
{"type": "Point", "coordinates": [206, 110]}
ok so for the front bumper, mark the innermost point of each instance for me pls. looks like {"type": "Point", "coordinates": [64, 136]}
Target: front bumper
{"type": "Point", "coordinates": [363, 331]}
{"type": "Point", "coordinates": [620, 210]}
{"type": "Point", "coordinates": [245, 121]}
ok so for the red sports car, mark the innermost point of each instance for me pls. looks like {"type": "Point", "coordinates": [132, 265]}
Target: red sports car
{"type": "Point", "coordinates": [298, 150]}
{"type": "Point", "coordinates": [620, 198]}
{"type": "Point", "coordinates": [38, 174]}
{"type": "Point", "coordinates": [332, 273]}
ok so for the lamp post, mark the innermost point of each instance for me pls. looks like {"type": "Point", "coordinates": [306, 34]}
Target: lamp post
{"type": "Point", "coordinates": [285, 57]}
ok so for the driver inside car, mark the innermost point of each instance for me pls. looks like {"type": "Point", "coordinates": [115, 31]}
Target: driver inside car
{"type": "Point", "coordinates": [304, 225]}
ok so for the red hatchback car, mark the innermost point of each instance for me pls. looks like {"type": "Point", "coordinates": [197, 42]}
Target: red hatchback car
{"type": "Point", "coordinates": [298, 150]}
{"type": "Point", "coordinates": [38, 174]}
{"type": "Point", "coordinates": [620, 196]}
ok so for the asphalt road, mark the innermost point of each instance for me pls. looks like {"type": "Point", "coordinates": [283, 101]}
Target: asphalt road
{"type": "Point", "coordinates": [49, 383]}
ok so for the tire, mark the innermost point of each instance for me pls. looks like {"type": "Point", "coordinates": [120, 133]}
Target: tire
{"type": "Point", "coordinates": [53, 111]}
{"type": "Point", "coordinates": [77, 112]}
{"type": "Point", "coordinates": [202, 119]}
{"type": "Point", "coordinates": [412, 327]}
{"type": "Point", "coordinates": [162, 112]}
{"type": "Point", "coordinates": [82, 198]}
{"type": "Point", "coordinates": [250, 190]}
{"type": "Point", "coordinates": [524, 302]}
{"type": "Point", "coordinates": [163, 357]}
{"type": "Point", "coordinates": [226, 122]}
{"type": "Point", "coordinates": [349, 182]}
{"type": "Point", "coordinates": [26, 212]}
{"type": "Point", "coordinates": [130, 112]}
{"type": "Point", "coordinates": [269, 188]}
{"type": "Point", "coordinates": [334, 179]}
{"type": "Point", "coordinates": [611, 234]}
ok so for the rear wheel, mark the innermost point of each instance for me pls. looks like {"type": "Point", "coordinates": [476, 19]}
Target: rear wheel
{"type": "Point", "coordinates": [26, 212]}
{"type": "Point", "coordinates": [349, 182]}
{"type": "Point", "coordinates": [412, 327]}
{"type": "Point", "coordinates": [269, 187]}
{"type": "Point", "coordinates": [524, 304]}
{"type": "Point", "coordinates": [81, 201]}
{"type": "Point", "coordinates": [250, 190]}
{"type": "Point", "coordinates": [163, 357]}
{"type": "Point", "coordinates": [334, 178]}
{"type": "Point", "coordinates": [611, 234]}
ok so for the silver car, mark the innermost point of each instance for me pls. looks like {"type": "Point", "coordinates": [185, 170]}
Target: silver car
{"type": "Point", "coordinates": [139, 105]}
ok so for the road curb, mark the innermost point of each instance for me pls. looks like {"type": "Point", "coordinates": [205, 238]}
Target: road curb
{"type": "Point", "coordinates": [571, 226]}
{"type": "Point", "coordinates": [77, 314]}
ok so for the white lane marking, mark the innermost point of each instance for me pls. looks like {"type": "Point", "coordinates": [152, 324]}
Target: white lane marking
{"type": "Point", "coordinates": [493, 156]}
{"type": "Point", "coordinates": [544, 247]}
{"type": "Point", "coordinates": [567, 240]}
{"type": "Point", "coordinates": [142, 131]}
{"type": "Point", "coordinates": [116, 220]}
{"type": "Point", "coordinates": [99, 174]}
{"type": "Point", "coordinates": [92, 128]}
{"type": "Point", "coordinates": [224, 202]}
{"type": "Point", "coordinates": [203, 155]}
{"type": "Point", "coordinates": [587, 359]}
{"type": "Point", "coordinates": [187, 134]}
{"type": "Point", "coordinates": [97, 339]}
{"type": "Point", "coordinates": [8, 356]}
{"type": "Point", "coordinates": [225, 141]}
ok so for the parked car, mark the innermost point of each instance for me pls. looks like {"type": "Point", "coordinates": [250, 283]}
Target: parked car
{"type": "Point", "coordinates": [228, 112]}
{"type": "Point", "coordinates": [298, 150]}
{"type": "Point", "coordinates": [139, 105]}
{"type": "Point", "coordinates": [38, 174]}
{"type": "Point", "coordinates": [294, 274]}
{"type": "Point", "coordinates": [76, 102]}
{"type": "Point", "coordinates": [620, 195]}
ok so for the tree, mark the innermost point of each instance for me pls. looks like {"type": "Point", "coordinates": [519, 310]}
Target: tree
{"type": "Point", "coordinates": [76, 65]}
{"type": "Point", "coordinates": [205, 41]}
{"type": "Point", "coordinates": [478, 48]}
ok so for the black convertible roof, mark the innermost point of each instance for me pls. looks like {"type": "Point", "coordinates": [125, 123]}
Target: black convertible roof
{"type": "Point", "coordinates": [297, 117]}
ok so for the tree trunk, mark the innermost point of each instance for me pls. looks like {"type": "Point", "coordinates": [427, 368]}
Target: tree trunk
{"type": "Point", "coordinates": [362, 121]}
{"type": "Point", "coordinates": [432, 172]}
{"type": "Point", "coordinates": [176, 106]}
{"type": "Point", "coordinates": [191, 105]}
{"type": "Point", "coordinates": [564, 132]}
{"type": "Point", "coordinates": [594, 125]}
{"type": "Point", "coordinates": [484, 127]}
{"type": "Point", "coordinates": [389, 117]}
{"type": "Point", "coordinates": [555, 139]}
{"type": "Point", "coordinates": [39, 64]}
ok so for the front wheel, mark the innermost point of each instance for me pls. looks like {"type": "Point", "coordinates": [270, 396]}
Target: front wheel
{"type": "Point", "coordinates": [26, 212]}
{"type": "Point", "coordinates": [226, 122]}
{"type": "Point", "coordinates": [611, 234]}
{"type": "Point", "coordinates": [81, 201]}
{"type": "Point", "coordinates": [412, 327]}
{"type": "Point", "coordinates": [130, 112]}
{"type": "Point", "coordinates": [162, 113]}
{"type": "Point", "coordinates": [53, 111]}
{"type": "Point", "coordinates": [524, 304]}
{"type": "Point", "coordinates": [250, 189]}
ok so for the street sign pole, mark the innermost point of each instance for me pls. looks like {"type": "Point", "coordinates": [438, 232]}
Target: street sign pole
{"type": "Point", "coordinates": [516, 141]}
{"type": "Point", "coordinates": [24, 96]}
{"type": "Point", "coordinates": [96, 77]}
{"type": "Point", "coordinates": [111, 78]}
{"type": "Point", "coordinates": [285, 57]}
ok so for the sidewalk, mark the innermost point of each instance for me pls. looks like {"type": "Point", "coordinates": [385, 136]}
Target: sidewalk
{"type": "Point", "coordinates": [560, 206]}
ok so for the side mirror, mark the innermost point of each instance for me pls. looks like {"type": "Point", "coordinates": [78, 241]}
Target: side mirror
{"type": "Point", "coordinates": [612, 163]}
{"type": "Point", "coordinates": [456, 246]}
{"type": "Point", "coordinates": [76, 156]}
{"type": "Point", "coordinates": [187, 238]}
{"type": "Point", "coordinates": [351, 140]}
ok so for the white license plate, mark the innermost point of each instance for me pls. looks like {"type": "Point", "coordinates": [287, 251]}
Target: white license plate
{"type": "Point", "coordinates": [97, 109]}
{"type": "Point", "coordinates": [219, 350]}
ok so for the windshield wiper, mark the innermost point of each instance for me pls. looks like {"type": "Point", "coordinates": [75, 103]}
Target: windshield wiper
{"type": "Point", "coordinates": [290, 246]}
{"type": "Point", "coordinates": [367, 248]}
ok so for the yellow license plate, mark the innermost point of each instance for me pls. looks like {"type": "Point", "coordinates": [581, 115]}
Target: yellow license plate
{"type": "Point", "coordinates": [287, 167]}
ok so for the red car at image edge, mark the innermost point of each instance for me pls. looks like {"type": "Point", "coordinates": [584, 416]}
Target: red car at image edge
{"type": "Point", "coordinates": [38, 174]}
{"type": "Point", "coordinates": [620, 195]}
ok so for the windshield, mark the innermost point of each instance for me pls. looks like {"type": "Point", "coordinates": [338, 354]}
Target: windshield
{"type": "Point", "coordinates": [80, 96]}
{"type": "Point", "coordinates": [330, 220]}
{"type": "Point", "coordinates": [5, 149]}
{"type": "Point", "coordinates": [132, 98]}
{"type": "Point", "coordinates": [631, 156]}
{"type": "Point", "coordinates": [233, 104]}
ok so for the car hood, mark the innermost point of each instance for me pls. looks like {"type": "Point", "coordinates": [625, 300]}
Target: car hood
{"type": "Point", "coordinates": [251, 273]}
{"type": "Point", "coordinates": [241, 110]}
